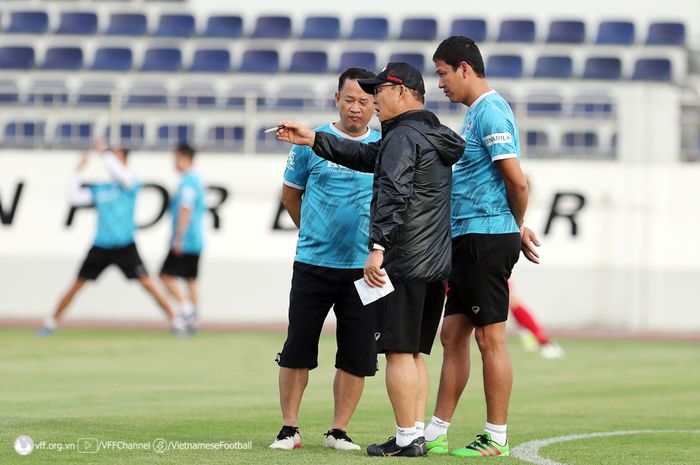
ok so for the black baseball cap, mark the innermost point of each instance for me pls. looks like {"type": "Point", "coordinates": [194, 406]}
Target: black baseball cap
{"type": "Point", "coordinates": [396, 72]}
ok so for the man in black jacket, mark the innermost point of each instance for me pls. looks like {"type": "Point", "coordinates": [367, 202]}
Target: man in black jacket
{"type": "Point", "coordinates": [409, 234]}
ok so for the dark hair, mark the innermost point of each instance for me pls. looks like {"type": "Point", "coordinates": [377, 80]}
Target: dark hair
{"type": "Point", "coordinates": [416, 95]}
{"type": "Point", "coordinates": [457, 49]}
{"type": "Point", "coordinates": [122, 150]}
{"type": "Point", "coordinates": [185, 149]}
{"type": "Point", "coordinates": [354, 73]}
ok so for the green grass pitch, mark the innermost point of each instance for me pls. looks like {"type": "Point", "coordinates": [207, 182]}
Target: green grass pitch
{"type": "Point", "coordinates": [138, 386]}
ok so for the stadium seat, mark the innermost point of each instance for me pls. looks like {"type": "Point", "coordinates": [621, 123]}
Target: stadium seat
{"type": "Point", "coordinates": [415, 59]}
{"type": "Point", "coordinates": [309, 62]}
{"type": "Point", "coordinates": [369, 29]}
{"type": "Point", "coordinates": [147, 95]}
{"type": "Point", "coordinates": [436, 101]}
{"type": "Point", "coordinates": [321, 28]}
{"type": "Point", "coordinates": [16, 57]}
{"type": "Point", "coordinates": [169, 135]}
{"type": "Point", "coordinates": [272, 27]}
{"type": "Point", "coordinates": [593, 106]}
{"type": "Point", "coordinates": [549, 105]}
{"type": "Point", "coordinates": [666, 34]}
{"type": "Point", "coordinates": [652, 69]}
{"type": "Point", "coordinates": [566, 32]}
{"type": "Point", "coordinates": [24, 133]}
{"type": "Point", "coordinates": [112, 59]}
{"type": "Point", "coordinates": [260, 61]}
{"type": "Point", "coordinates": [473, 28]}
{"type": "Point", "coordinates": [504, 66]}
{"type": "Point", "coordinates": [418, 29]}
{"type": "Point", "coordinates": [225, 137]}
{"type": "Point", "coordinates": [73, 135]}
{"type": "Point", "coordinates": [95, 94]}
{"type": "Point", "coordinates": [9, 93]}
{"type": "Point", "coordinates": [558, 67]}
{"type": "Point", "coordinates": [162, 59]}
{"type": "Point", "coordinates": [63, 58]}
{"type": "Point", "coordinates": [269, 143]}
{"type": "Point", "coordinates": [229, 27]}
{"type": "Point", "coordinates": [28, 22]}
{"type": "Point", "coordinates": [131, 135]}
{"type": "Point", "coordinates": [517, 30]}
{"type": "Point", "coordinates": [48, 93]}
{"type": "Point", "coordinates": [180, 25]}
{"type": "Point", "coordinates": [537, 142]}
{"type": "Point", "coordinates": [580, 141]}
{"type": "Point", "coordinates": [211, 61]}
{"type": "Point", "coordinates": [602, 68]}
{"type": "Point", "coordinates": [615, 33]}
{"type": "Point", "coordinates": [127, 24]}
{"type": "Point", "coordinates": [196, 95]}
{"type": "Point", "coordinates": [78, 23]}
{"type": "Point", "coordinates": [236, 97]}
{"type": "Point", "coordinates": [295, 97]}
{"type": "Point", "coordinates": [366, 60]}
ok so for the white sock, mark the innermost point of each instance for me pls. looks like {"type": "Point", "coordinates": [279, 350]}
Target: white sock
{"type": "Point", "coordinates": [186, 308]}
{"type": "Point", "coordinates": [178, 323]}
{"type": "Point", "coordinates": [420, 427]}
{"type": "Point", "coordinates": [50, 322]}
{"type": "Point", "coordinates": [498, 433]}
{"type": "Point", "coordinates": [436, 427]}
{"type": "Point", "coordinates": [404, 436]}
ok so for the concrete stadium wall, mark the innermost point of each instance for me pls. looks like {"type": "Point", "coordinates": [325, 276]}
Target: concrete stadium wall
{"type": "Point", "coordinates": [628, 258]}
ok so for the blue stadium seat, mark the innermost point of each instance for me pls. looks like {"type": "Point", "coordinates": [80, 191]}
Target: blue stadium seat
{"type": "Point", "coordinates": [438, 103]}
{"type": "Point", "coordinates": [566, 32]}
{"type": "Point", "coordinates": [131, 135]}
{"type": "Point", "coordinates": [517, 30]}
{"type": "Point", "coordinates": [211, 61]}
{"type": "Point", "coordinates": [196, 95]}
{"type": "Point", "coordinates": [16, 57]}
{"type": "Point", "coordinates": [615, 33]}
{"type": "Point", "coordinates": [549, 105]}
{"type": "Point", "coordinates": [473, 28]}
{"type": "Point", "coordinates": [48, 93]}
{"type": "Point", "coordinates": [415, 59]}
{"type": "Point", "coordinates": [504, 66]}
{"type": "Point", "coordinates": [162, 59]}
{"type": "Point", "coordinates": [78, 23]}
{"type": "Point", "coordinates": [537, 142]}
{"type": "Point", "coordinates": [309, 62]}
{"type": "Point", "coordinates": [272, 27]}
{"type": "Point", "coordinates": [366, 60]}
{"type": "Point", "coordinates": [666, 34]}
{"type": "Point", "coordinates": [112, 59]}
{"type": "Point", "coordinates": [147, 95]}
{"type": "Point", "coordinates": [229, 27]}
{"type": "Point", "coordinates": [321, 28]}
{"type": "Point", "coordinates": [169, 135]}
{"type": "Point", "coordinates": [369, 29]}
{"type": "Point", "coordinates": [580, 141]}
{"type": "Point", "coordinates": [295, 97]}
{"type": "Point", "coordinates": [24, 133]}
{"type": "Point", "coordinates": [593, 106]}
{"type": "Point", "coordinates": [260, 61]}
{"type": "Point", "coordinates": [652, 69]}
{"type": "Point", "coordinates": [66, 58]}
{"type": "Point", "coordinates": [127, 24]}
{"type": "Point", "coordinates": [237, 96]}
{"type": "Point", "coordinates": [558, 67]}
{"type": "Point", "coordinates": [73, 134]}
{"type": "Point", "coordinates": [9, 93]}
{"type": "Point", "coordinates": [95, 94]}
{"type": "Point", "coordinates": [418, 29]}
{"type": "Point", "coordinates": [602, 68]}
{"type": "Point", "coordinates": [175, 26]}
{"type": "Point", "coordinates": [28, 22]}
{"type": "Point", "coordinates": [225, 137]}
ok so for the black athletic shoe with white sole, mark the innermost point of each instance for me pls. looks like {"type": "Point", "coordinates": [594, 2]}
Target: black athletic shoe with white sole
{"type": "Point", "coordinates": [416, 448]}
{"type": "Point", "coordinates": [339, 439]}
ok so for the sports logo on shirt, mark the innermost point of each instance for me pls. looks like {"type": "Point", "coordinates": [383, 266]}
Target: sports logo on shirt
{"type": "Point", "coordinates": [498, 138]}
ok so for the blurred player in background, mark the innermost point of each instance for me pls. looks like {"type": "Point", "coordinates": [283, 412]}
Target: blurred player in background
{"type": "Point", "coordinates": [115, 202]}
{"type": "Point", "coordinates": [187, 207]}
{"type": "Point", "coordinates": [533, 336]}
{"type": "Point", "coordinates": [330, 205]}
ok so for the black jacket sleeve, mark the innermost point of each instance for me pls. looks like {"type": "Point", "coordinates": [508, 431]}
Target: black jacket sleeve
{"type": "Point", "coordinates": [350, 153]}
{"type": "Point", "coordinates": [396, 173]}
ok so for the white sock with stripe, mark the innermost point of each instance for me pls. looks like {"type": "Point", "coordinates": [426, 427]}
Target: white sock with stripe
{"type": "Point", "coordinates": [436, 427]}
{"type": "Point", "coordinates": [404, 436]}
{"type": "Point", "coordinates": [499, 433]}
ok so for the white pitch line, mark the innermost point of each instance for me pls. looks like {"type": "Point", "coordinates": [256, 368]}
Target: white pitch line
{"type": "Point", "coordinates": [530, 451]}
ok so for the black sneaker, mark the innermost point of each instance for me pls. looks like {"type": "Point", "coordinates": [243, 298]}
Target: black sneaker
{"type": "Point", "coordinates": [339, 439]}
{"type": "Point", "coordinates": [287, 439]}
{"type": "Point", "coordinates": [416, 448]}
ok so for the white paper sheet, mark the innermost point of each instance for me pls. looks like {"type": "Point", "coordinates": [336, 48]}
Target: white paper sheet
{"type": "Point", "coordinates": [370, 294]}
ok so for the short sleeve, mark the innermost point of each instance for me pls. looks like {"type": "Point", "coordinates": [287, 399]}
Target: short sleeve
{"type": "Point", "coordinates": [297, 171]}
{"type": "Point", "coordinates": [498, 136]}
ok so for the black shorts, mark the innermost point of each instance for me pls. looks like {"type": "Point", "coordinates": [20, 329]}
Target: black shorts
{"type": "Point", "coordinates": [184, 266]}
{"type": "Point", "coordinates": [408, 318]}
{"type": "Point", "coordinates": [315, 289]}
{"type": "Point", "coordinates": [126, 258]}
{"type": "Point", "coordinates": [478, 283]}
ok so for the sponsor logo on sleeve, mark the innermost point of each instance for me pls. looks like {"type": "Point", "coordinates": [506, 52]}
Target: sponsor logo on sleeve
{"type": "Point", "coordinates": [498, 138]}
